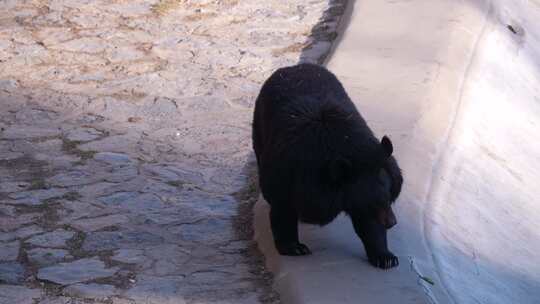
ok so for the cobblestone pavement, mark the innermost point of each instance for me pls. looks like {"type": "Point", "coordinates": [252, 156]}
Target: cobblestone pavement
{"type": "Point", "coordinates": [126, 173]}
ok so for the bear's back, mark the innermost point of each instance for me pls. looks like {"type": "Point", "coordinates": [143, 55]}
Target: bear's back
{"type": "Point", "coordinates": [308, 118]}
{"type": "Point", "coordinates": [304, 80]}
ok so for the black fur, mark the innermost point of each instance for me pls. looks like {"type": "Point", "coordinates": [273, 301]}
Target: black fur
{"type": "Point", "coordinates": [317, 157]}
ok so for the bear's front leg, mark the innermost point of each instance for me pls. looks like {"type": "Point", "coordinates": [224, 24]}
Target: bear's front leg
{"type": "Point", "coordinates": [284, 224]}
{"type": "Point", "coordinates": [373, 235]}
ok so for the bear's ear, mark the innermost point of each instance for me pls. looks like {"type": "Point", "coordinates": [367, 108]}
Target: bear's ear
{"type": "Point", "coordinates": [339, 170]}
{"type": "Point", "coordinates": [387, 146]}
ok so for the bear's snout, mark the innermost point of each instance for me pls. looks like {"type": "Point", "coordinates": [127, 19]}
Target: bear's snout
{"type": "Point", "coordinates": [387, 217]}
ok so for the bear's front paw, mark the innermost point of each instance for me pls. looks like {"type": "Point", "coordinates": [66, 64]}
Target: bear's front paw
{"type": "Point", "coordinates": [384, 260]}
{"type": "Point", "coordinates": [294, 249]}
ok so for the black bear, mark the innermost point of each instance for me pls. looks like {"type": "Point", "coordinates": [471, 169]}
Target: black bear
{"type": "Point", "coordinates": [317, 157]}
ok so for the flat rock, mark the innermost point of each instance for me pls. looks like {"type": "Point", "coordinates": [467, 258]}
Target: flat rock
{"type": "Point", "coordinates": [169, 260]}
{"type": "Point", "coordinates": [36, 197]}
{"type": "Point", "coordinates": [174, 215]}
{"type": "Point", "coordinates": [122, 174]}
{"type": "Point", "coordinates": [8, 84]}
{"type": "Point", "coordinates": [119, 198]}
{"type": "Point", "coordinates": [211, 231]}
{"type": "Point", "coordinates": [214, 206]}
{"type": "Point", "coordinates": [13, 294]}
{"type": "Point", "coordinates": [236, 246]}
{"type": "Point", "coordinates": [117, 110]}
{"type": "Point", "coordinates": [93, 224]}
{"type": "Point", "coordinates": [81, 209]}
{"type": "Point", "coordinates": [125, 53]}
{"type": "Point", "coordinates": [156, 290]}
{"type": "Point", "coordinates": [72, 178]}
{"type": "Point", "coordinates": [95, 189]}
{"type": "Point", "coordinates": [36, 115]}
{"type": "Point", "coordinates": [8, 223]}
{"type": "Point", "coordinates": [90, 291]}
{"type": "Point", "coordinates": [108, 240]}
{"type": "Point", "coordinates": [46, 256]}
{"type": "Point", "coordinates": [209, 277]}
{"type": "Point", "coordinates": [11, 273]}
{"type": "Point", "coordinates": [6, 210]}
{"type": "Point", "coordinates": [76, 272]}
{"type": "Point", "coordinates": [9, 187]}
{"type": "Point", "coordinates": [60, 300]}
{"type": "Point", "coordinates": [134, 202]}
{"type": "Point", "coordinates": [20, 233]}
{"type": "Point", "coordinates": [158, 109]}
{"type": "Point", "coordinates": [54, 35]}
{"type": "Point", "coordinates": [9, 251]}
{"type": "Point", "coordinates": [112, 158]}
{"type": "Point", "coordinates": [10, 155]}
{"type": "Point", "coordinates": [171, 173]}
{"type": "Point", "coordinates": [113, 143]}
{"type": "Point", "coordinates": [131, 9]}
{"type": "Point", "coordinates": [54, 239]}
{"type": "Point", "coordinates": [85, 44]}
{"type": "Point", "coordinates": [129, 256]}
{"type": "Point", "coordinates": [83, 134]}
{"type": "Point", "coordinates": [26, 132]}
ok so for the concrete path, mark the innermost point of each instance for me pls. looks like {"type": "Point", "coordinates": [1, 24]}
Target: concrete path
{"type": "Point", "coordinates": [125, 171]}
{"type": "Point", "coordinates": [403, 63]}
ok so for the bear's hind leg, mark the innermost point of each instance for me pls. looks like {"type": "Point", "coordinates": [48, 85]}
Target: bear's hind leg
{"type": "Point", "coordinates": [373, 235]}
{"type": "Point", "coordinates": [284, 224]}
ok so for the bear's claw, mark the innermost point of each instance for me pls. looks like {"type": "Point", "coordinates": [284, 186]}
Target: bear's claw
{"type": "Point", "coordinates": [293, 249]}
{"type": "Point", "coordinates": [384, 260]}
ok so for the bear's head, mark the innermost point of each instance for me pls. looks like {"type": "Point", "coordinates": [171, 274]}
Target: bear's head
{"type": "Point", "coordinates": [369, 191]}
